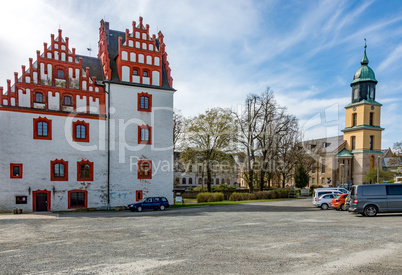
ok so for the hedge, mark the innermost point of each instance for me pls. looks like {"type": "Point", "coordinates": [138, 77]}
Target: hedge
{"type": "Point", "coordinates": [260, 195]}
{"type": "Point", "coordinates": [209, 197]}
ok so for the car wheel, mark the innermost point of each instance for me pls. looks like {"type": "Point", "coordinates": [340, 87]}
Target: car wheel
{"type": "Point", "coordinates": [162, 207]}
{"type": "Point", "coordinates": [324, 206]}
{"type": "Point", "coordinates": [370, 211]}
{"type": "Point", "coordinates": [343, 207]}
{"type": "Point", "coordinates": [139, 208]}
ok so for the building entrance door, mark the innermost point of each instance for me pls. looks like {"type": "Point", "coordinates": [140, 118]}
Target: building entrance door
{"type": "Point", "coordinates": [41, 202]}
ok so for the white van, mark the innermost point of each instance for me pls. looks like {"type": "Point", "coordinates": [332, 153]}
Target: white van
{"type": "Point", "coordinates": [318, 192]}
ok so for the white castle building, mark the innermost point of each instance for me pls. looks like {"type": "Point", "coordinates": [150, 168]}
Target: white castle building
{"type": "Point", "coordinates": [85, 132]}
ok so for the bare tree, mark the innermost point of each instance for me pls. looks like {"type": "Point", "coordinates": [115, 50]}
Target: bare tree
{"type": "Point", "coordinates": [179, 123]}
{"type": "Point", "coordinates": [249, 128]}
{"type": "Point", "coordinates": [289, 149]}
{"type": "Point", "coordinates": [211, 135]}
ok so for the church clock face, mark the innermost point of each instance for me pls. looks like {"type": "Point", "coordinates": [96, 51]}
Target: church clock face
{"type": "Point", "coordinates": [372, 107]}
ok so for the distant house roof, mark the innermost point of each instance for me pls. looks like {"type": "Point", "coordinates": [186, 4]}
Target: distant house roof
{"type": "Point", "coordinates": [326, 145]}
{"type": "Point", "coordinates": [387, 153]}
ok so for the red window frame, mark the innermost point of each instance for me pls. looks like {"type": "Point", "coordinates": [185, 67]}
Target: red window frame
{"type": "Point", "coordinates": [84, 124]}
{"type": "Point", "coordinates": [91, 170]}
{"type": "Point", "coordinates": [149, 109]}
{"type": "Point", "coordinates": [52, 164]}
{"type": "Point", "coordinates": [138, 195]}
{"type": "Point", "coordinates": [144, 127]}
{"type": "Point", "coordinates": [85, 200]}
{"type": "Point", "coordinates": [140, 164]}
{"type": "Point", "coordinates": [12, 165]}
{"type": "Point", "coordinates": [36, 135]}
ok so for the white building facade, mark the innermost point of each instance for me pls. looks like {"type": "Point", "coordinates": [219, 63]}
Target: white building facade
{"type": "Point", "coordinates": [77, 133]}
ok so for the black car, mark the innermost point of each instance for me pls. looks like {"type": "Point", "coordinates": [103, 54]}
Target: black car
{"type": "Point", "coordinates": [154, 203]}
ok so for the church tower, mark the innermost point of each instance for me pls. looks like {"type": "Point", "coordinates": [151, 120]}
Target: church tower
{"type": "Point", "coordinates": [362, 131]}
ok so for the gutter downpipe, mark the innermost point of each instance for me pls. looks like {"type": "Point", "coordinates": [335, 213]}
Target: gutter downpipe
{"type": "Point", "coordinates": [108, 145]}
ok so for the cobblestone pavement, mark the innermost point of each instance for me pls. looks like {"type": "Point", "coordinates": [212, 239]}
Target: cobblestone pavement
{"type": "Point", "coordinates": [283, 237]}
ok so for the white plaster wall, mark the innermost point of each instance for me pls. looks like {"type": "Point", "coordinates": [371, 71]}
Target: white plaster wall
{"type": "Point", "coordinates": [125, 73]}
{"type": "Point", "coordinates": [149, 59]}
{"type": "Point", "coordinates": [81, 103]}
{"type": "Point", "coordinates": [124, 55]}
{"type": "Point", "coordinates": [132, 57]}
{"type": "Point", "coordinates": [35, 155]}
{"type": "Point", "coordinates": [124, 179]}
{"type": "Point", "coordinates": [24, 100]}
{"type": "Point", "coordinates": [136, 78]}
{"type": "Point", "coordinates": [53, 101]}
{"type": "Point", "coordinates": [155, 78]}
{"type": "Point", "coordinates": [93, 105]}
{"type": "Point", "coordinates": [35, 77]}
{"type": "Point", "coordinates": [146, 80]}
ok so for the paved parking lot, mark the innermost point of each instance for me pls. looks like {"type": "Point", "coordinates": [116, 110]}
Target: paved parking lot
{"type": "Point", "coordinates": [285, 237]}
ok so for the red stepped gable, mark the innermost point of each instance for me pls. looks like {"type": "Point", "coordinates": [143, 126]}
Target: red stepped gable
{"type": "Point", "coordinates": [135, 57]}
{"type": "Point", "coordinates": [56, 81]}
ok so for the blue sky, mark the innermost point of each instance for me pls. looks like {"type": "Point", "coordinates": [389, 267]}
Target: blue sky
{"type": "Point", "coordinates": [219, 51]}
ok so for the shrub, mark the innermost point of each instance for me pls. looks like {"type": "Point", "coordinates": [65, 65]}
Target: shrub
{"type": "Point", "coordinates": [225, 187]}
{"type": "Point", "coordinates": [242, 196]}
{"type": "Point", "coordinates": [209, 197]}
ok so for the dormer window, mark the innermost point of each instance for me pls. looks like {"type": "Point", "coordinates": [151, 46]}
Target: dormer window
{"type": "Point", "coordinates": [60, 73]}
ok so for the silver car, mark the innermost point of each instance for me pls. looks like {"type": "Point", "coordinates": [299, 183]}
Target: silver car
{"type": "Point", "coordinates": [325, 200]}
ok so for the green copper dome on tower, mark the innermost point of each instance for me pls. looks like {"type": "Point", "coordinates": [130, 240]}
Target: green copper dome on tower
{"type": "Point", "coordinates": [364, 73]}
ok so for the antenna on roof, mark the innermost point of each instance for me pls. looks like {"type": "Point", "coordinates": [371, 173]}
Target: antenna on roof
{"type": "Point", "coordinates": [89, 49]}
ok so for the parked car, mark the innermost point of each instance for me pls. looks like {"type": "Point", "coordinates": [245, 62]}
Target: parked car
{"type": "Point", "coordinates": [154, 203]}
{"type": "Point", "coordinates": [368, 200]}
{"type": "Point", "coordinates": [339, 203]}
{"type": "Point", "coordinates": [325, 200]}
{"type": "Point", "coordinates": [318, 192]}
